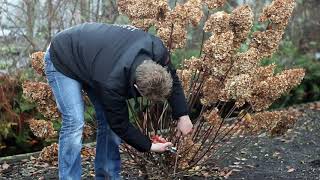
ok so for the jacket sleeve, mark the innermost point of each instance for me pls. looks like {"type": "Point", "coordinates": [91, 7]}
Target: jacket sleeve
{"type": "Point", "coordinates": [177, 99]}
{"type": "Point", "coordinates": [117, 115]}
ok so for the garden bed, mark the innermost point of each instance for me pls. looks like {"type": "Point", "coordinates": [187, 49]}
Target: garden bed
{"type": "Point", "coordinates": [294, 156]}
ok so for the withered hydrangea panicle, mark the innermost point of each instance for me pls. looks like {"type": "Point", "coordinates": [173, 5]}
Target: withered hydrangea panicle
{"type": "Point", "coordinates": [185, 77]}
{"type": "Point", "coordinates": [279, 13]}
{"type": "Point", "coordinates": [212, 4]}
{"type": "Point", "coordinates": [267, 91]}
{"type": "Point", "coordinates": [245, 62]}
{"type": "Point", "coordinates": [241, 21]}
{"type": "Point", "coordinates": [49, 154]}
{"type": "Point", "coordinates": [194, 64]}
{"type": "Point", "coordinates": [191, 148]}
{"type": "Point", "coordinates": [212, 117]}
{"type": "Point", "coordinates": [239, 88]}
{"type": "Point", "coordinates": [37, 62]}
{"type": "Point", "coordinates": [211, 91]}
{"type": "Point", "coordinates": [144, 13]}
{"type": "Point", "coordinates": [275, 123]}
{"type": "Point", "coordinates": [173, 38]}
{"type": "Point", "coordinates": [217, 23]}
{"type": "Point", "coordinates": [219, 47]}
{"type": "Point", "coordinates": [40, 93]}
{"type": "Point", "coordinates": [266, 42]}
{"type": "Point", "coordinates": [42, 128]}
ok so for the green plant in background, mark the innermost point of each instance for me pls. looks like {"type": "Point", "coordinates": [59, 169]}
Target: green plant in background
{"type": "Point", "coordinates": [14, 134]}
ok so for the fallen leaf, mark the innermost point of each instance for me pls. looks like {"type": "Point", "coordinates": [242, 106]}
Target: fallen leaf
{"type": "Point", "coordinates": [291, 170]}
{"type": "Point", "coordinates": [5, 166]}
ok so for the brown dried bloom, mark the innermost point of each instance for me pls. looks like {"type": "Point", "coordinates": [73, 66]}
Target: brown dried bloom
{"type": "Point", "coordinates": [279, 13]}
{"type": "Point", "coordinates": [173, 38]}
{"type": "Point", "coordinates": [212, 4]}
{"type": "Point", "coordinates": [245, 62]}
{"type": "Point", "coordinates": [287, 121]}
{"type": "Point", "coordinates": [87, 131]}
{"type": "Point", "coordinates": [87, 152]}
{"type": "Point", "coordinates": [40, 93]}
{"type": "Point", "coordinates": [172, 30]}
{"type": "Point", "coordinates": [239, 88]}
{"type": "Point", "coordinates": [190, 148]}
{"type": "Point", "coordinates": [267, 91]}
{"type": "Point", "coordinates": [49, 154]}
{"type": "Point", "coordinates": [37, 62]}
{"type": "Point", "coordinates": [262, 73]}
{"type": "Point", "coordinates": [266, 42]}
{"type": "Point", "coordinates": [185, 76]}
{"type": "Point", "coordinates": [140, 9]}
{"type": "Point", "coordinates": [217, 23]}
{"type": "Point", "coordinates": [211, 91]}
{"type": "Point", "coordinates": [276, 123]}
{"type": "Point", "coordinates": [241, 21]}
{"type": "Point", "coordinates": [194, 11]}
{"type": "Point", "coordinates": [213, 117]}
{"type": "Point", "coordinates": [219, 46]}
{"type": "Point", "coordinates": [194, 63]}
{"type": "Point", "coordinates": [42, 128]}
{"type": "Point", "coordinates": [153, 80]}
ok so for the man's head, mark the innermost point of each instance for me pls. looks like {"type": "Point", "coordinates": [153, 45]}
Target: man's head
{"type": "Point", "coordinates": [153, 81]}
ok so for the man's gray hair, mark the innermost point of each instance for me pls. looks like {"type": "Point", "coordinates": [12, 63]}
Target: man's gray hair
{"type": "Point", "coordinates": [153, 80]}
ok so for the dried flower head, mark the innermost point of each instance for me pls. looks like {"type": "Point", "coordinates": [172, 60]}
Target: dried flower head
{"type": "Point", "coordinates": [185, 78]}
{"type": "Point", "coordinates": [190, 148]}
{"type": "Point", "coordinates": [194, 11]}
{"type": "Point", "coordinates": [194, 63]}
{"type": "Point", "coordinates": [241, 21]}
{"type": "Point", "coordinates": [42, 128]}
{"type": "Point", "coordinates": [266, 42]}
{"type": "Point", "coordinates": [49, 154]}
{"type": "Point", "coordinates": [217, 23]}
{"type": "Point", "coordinates": [262, 73]}
{"type": "Point", "coordinates": [213, 117]}
{"type": "Point", "coordinates": [40, 93]}
{"type": "Point", "coordinates": [87, 152]}
{"type": "Point", "coordinates": [267, 91]}
{"type": "Point", "coordinates": [245, 62]}
{"type": "Point", "coordinates": [87, 131]}
{"type": "Point", "coordinates": [211, 91]}
{"type": "Point", "coordinates": [239, 88]}
{"type": "Point", "coordinates": [140, 9]}
{"type": "Point", "coordinates": [37, 62]}
{"type": "Point", "coordinates": [279, 13]}
{"type": "Point", "coordinates": [275, 123]}
{"type": "Point", "coordinates": [212, 4]}
{"type": "Point", "coordinates": [174, 35]}
{"type": "Point", "coordinates": [219, 46]}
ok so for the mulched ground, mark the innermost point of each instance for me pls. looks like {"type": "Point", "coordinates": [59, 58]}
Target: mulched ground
{"type": "Point", "coordinates": [294, 156]}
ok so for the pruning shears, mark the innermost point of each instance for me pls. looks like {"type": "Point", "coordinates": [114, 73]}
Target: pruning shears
{"type": "Point", "coordinates": [158, 139]}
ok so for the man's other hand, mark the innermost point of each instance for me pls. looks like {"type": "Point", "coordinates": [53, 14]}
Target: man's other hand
{"type": "Point", "coordinates": [160, 147]}
{"type": "Point", "coordinates": [184, 126]}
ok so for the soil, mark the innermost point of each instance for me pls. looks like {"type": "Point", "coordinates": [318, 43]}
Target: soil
{"type": "Point", "coordinates": [294, 156]}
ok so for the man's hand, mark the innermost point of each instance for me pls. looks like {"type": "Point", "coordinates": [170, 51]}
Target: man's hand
{"type": "Point", "coordinates": [184, 126]}
{"type": "Point", "coordinates": [160, 147]}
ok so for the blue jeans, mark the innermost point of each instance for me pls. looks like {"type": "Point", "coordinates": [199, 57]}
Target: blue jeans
{"type": "Point", "coordinates": [68, 96]}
